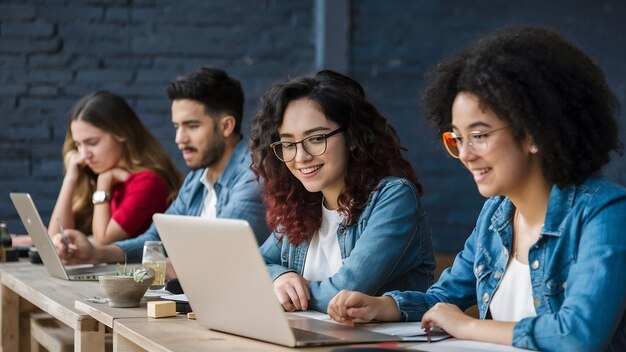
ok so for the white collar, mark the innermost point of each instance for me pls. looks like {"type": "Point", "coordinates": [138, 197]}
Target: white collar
{"type": "Point", "coordinates": [204, 179]}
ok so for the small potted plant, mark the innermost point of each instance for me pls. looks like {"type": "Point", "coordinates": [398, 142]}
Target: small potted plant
{"type": "Point", "coordinates": [125, 288]}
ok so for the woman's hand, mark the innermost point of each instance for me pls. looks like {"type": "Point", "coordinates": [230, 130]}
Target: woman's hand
{"type": "Point", "coordinates": [78, 249]}
{"type": "Point", "coordinates": [450, 318]}
{"type": "Point", "coordinates": [21, 240]}
{"type": "Point", "coordinates": [110, 177]}
{"type": "Point", "coordinates": [348, 306]}
{"type": "Point", "coordinates": [170, 273]}
{"type": "Point", "coordinates": [74, 162]}
{"type": "Point", "coordinates": [292, 291]}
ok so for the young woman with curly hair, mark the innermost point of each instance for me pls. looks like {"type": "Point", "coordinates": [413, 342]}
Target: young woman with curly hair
{"type": "Point", "coordinates": [533, 120]}
{"type": "Point", "coordinates": [344, 204]}
{"type": "Point", "coordinates": [117, 175]}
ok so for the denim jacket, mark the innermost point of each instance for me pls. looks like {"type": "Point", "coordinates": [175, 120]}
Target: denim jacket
{"type": "Point", "coordinates": [576, 268]}
{"type": "Point", "coordinates": [389, 247]}
{"type": "Point", "coordinates": [238, 197]}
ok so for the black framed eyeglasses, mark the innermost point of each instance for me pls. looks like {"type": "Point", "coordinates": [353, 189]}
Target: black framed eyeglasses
{"type": "Point", "coordinates": [314, 145]}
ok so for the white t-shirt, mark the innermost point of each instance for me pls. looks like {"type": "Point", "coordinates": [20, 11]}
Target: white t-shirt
{"type": "Point", "coordinates": [513, 300]}
{"type": "Point", "coordinates": [209, 208]}
{"type": "Point", "coordinates": [323, 258]}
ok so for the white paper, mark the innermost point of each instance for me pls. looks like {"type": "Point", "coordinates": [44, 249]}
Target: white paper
{"type": "Point", "coordinates": [398, 329]}
{"type": "Point", "coordinates": [313, 314]}
{"type": "Point", "coordinates": [411, 331]}
{"type": "Point", "coordinates": [179, 298]}
{"type": "Point", "coordinates": [455, 345]}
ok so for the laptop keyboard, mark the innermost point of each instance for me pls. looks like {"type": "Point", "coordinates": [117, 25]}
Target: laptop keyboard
{"type": "Point", "coordinates": [305, 335]}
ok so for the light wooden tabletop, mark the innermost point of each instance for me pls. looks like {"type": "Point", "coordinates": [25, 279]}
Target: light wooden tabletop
{"type": "Point", "coordinates": [107, 314]}
{"type": "Point", "coordinates": [52, 295]}
{"type": "Point", "coordinates": [25, 284]}
{"type": "Point", "coordinates": [132, 329]}
{"type": "Point", "coordinates": [182, 334]}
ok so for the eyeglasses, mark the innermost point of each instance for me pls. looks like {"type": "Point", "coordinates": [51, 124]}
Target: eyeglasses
{"type": "Point", "coordinates": [314, 145]}
{"type": "Point", "coordinates": [477, 141]}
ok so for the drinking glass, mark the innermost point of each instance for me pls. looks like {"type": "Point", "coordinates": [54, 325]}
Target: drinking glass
{"type": "Point", "coordinates": [154, 258]}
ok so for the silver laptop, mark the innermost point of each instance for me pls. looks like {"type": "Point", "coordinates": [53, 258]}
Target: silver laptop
{"type": "Point", "coordinates": [37, 231]}
{"type": "Point", "coordinates": [229, 288]}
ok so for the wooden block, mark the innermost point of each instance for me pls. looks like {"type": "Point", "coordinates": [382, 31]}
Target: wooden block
{"type": "Point", "coordinates": [161, 309]}
{"type": "Point", "coordinates": [190, 315]}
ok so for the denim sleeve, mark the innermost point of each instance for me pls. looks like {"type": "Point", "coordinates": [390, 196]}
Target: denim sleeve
{"type": "Point", "coordinates": [457, 285]}
{"type": "Point", "coordinates": [244, 202]}
{"type": "Point", "coordinates": [390, 237]}
{"type": "Point", "coordinates": [271, 252]}
{"type": "Point", "coordinates": [133, 247]}
{"type": "Point", "coordinates": [412, 304]}
{"type": "Point", "coordinates": [594, 301]}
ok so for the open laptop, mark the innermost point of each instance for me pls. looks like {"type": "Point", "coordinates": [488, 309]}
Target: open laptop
{"type": "Point", "coordinates": [37, 231]}
{"type": "Point", "coordinates": [221, 270]}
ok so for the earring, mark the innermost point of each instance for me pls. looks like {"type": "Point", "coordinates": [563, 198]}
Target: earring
{"type": "Point", "coordinates": [533, 149]}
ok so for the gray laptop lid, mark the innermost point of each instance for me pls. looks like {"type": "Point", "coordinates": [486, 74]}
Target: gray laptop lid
{"type": "Point", "coordinates": [36, 229]}
{"type": "Point", "coordinates": [221, 270]}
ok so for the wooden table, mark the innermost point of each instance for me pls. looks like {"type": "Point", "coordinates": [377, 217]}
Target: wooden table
{"type": "Point", "coordinates": [182, 334]}
{"type": "Point", "coordinates": [106, 314]}
{"type": "Point", "coordinates": [26, 286]}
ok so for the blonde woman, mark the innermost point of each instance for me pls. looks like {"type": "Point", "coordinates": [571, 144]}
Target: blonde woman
{"type": "Point", "coordinates": [116, 173]}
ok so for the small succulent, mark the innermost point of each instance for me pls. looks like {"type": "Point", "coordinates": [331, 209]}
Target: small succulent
{"type": "Point", "coordinates": [138, 274]}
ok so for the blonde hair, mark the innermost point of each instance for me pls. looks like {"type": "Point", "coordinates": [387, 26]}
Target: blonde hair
{"type": "Point", "coordinates": [111, 113]}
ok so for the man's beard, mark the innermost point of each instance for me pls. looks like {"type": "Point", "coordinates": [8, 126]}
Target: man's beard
{"type": "Point", "coordinates": [213, 153]}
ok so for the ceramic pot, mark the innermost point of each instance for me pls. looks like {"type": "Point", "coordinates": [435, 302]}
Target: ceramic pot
{"type": "Point", "coordinates": [124, 291]}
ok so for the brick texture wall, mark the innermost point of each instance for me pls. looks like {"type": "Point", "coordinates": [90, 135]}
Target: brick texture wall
{"type": "Point", "coordinates": [53, 52]}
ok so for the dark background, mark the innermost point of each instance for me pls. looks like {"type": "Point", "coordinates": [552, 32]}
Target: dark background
{"type": "Point", "coordinates": [54, 52]}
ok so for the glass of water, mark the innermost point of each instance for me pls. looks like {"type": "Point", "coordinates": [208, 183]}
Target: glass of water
{"type": "Point", "coordinates": [154, 258]}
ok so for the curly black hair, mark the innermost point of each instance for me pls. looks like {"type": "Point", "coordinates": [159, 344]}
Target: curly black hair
{"type": "Point", "coordinates": [545, 88]}
{"type": "Point", "coordinates": [373, 144]}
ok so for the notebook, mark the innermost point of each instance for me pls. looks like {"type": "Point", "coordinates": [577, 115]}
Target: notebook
{"type": "Point", "coordinates": [38, 233]}
{"type": "Point", "coordinates": [221, 270]}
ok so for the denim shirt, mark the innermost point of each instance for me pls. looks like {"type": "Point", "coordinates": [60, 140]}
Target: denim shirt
{"type": "Point", "coordinates": [576, 268]}
{"type": "Point", "coordinates": [389, 247]}
{"type": "Point", "coordinates": [238, 197]}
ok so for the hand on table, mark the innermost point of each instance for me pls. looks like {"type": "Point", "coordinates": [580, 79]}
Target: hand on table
{"type": "Point", "coordinates": [448, 317]}
{"type": "Point", "coordinates": [21, 240]}
{"type": "Point", "coordinates": [350, 306]}
{"type": "Point", "coordinates": [292, 291]}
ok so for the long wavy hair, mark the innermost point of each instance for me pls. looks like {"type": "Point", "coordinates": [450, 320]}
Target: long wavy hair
{"type": "Point", "coordinates": [111, 113]}
{"type": "Point", "coordinates": [372, 143]}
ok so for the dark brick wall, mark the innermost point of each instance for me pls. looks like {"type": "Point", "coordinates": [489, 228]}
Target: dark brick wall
{"type": "Point", "coordinates": [54, 51]}
{"type": "Point", "coordinates": [394, 42]}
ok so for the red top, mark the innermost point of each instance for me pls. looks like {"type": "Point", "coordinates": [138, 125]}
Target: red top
{"type": "Point", "coordinates": [134, 201]}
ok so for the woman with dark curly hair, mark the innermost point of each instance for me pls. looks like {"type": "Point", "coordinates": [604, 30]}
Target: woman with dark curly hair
{"type": "Point", "coordinates": [343, 202]}
{"type": "Point", "coordinates": [533, 120]}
